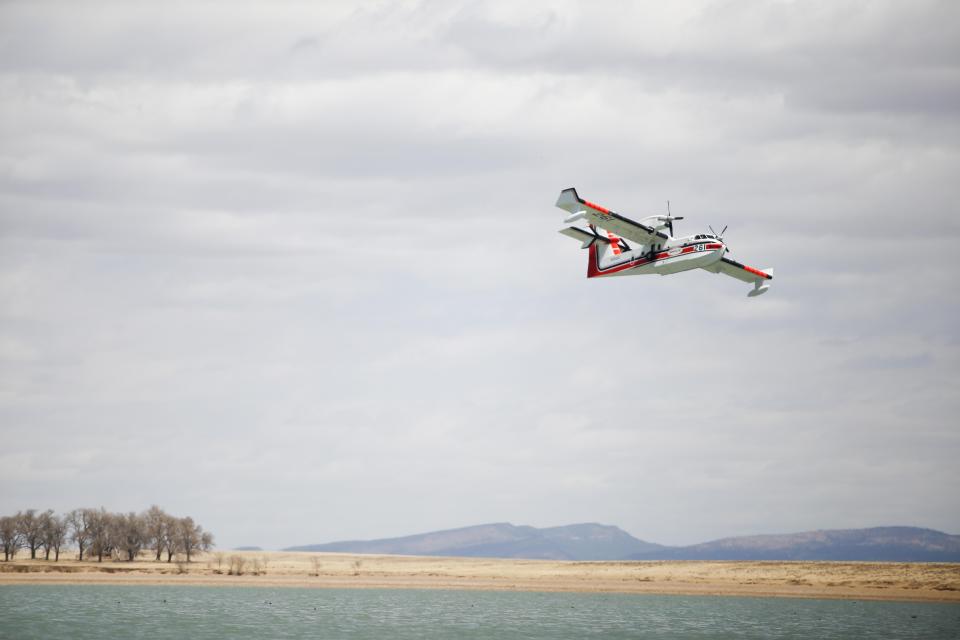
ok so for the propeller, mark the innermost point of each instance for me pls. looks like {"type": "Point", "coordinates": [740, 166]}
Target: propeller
{"type": "Point", "coordinates": [671, 218]}
{"type": "Point", "coordinates": [719, 235]}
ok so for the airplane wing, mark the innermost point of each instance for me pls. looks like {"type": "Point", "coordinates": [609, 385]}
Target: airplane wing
{"type": "Point", "coordinates": [759, 278]}
{"type": "Point", "coordinates": [606, 219]}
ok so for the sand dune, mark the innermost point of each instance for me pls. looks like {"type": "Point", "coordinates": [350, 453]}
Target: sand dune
{"type": "Point", "coordinates": [850, 580]}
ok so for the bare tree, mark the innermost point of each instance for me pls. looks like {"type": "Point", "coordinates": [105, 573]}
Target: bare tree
{"type": "Point", "coordinates": [10, 537]}
{"type": "Point", "coordinates": [155, 522]}
{"type": "Point", "coordinates": [191, 537]}
{"type": "Point", "coordinates": [171, 541]}
{"type": "Point", "coordinates": [43, 521]}
{"type": "Point", "coordinates": [100, 533]}
{"type": "Point", "coordinates": [31, 528]}
{"type": "Point", "coordinates": [80, 528]}
{"type": "Point", "coordinates": [54, 534]}
{"type": "Point", "coordinates": [206, 541]}
{"type": "Point", "coordinates": [129, 536]}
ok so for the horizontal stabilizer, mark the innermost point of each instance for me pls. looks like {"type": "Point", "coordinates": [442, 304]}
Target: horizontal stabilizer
{"type": "Point", "coordinates": [583, 236]}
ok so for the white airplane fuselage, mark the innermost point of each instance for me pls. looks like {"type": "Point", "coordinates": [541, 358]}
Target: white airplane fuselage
{"type": "Point", "coordinates": [681, 254]}
{"type": "Point", "coordinates": [633, 247]}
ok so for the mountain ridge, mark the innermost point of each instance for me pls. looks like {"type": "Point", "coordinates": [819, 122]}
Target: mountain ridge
{"type": "Point", "coordinates": [583, 541]}
{"type": "Point", "coordinates": [889, 544]}
{"type": "Point", "coordinates": [593, 541]}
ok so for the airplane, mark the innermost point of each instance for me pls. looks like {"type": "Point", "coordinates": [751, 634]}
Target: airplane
{"type": "Point", "coordinates": [656, 250]}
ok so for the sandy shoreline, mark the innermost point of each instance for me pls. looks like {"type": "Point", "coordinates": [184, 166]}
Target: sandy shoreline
{"type": "Point", "coordinates": [842, 580]}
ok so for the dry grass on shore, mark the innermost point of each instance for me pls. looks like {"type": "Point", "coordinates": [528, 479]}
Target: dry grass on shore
{"type": "Point", "coordinates": [850, 580]}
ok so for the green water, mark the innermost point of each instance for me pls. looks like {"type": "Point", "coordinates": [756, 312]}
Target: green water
{"type": "Point", "coordinates": [39, 611]}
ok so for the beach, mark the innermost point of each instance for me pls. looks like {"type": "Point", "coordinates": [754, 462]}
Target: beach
{"type": "Point", "coordinates": [931, 582]}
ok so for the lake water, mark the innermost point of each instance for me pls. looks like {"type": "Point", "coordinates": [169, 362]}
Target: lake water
{"type": "Point", "coordinates": [47, 611]}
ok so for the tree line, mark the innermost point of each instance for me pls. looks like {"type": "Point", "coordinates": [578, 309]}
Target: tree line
{"type": "Point", "coordinates": [99, 533]}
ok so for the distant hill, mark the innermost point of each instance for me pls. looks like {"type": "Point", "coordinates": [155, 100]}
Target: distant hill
{"type": "Point", "coordinates": [247, 549]}
{"type": "Point", "coordinates": [587, 541]}
{"type": "Point", "coordinates": [591, 541]}
{"type": "Point", "coordinates": [881, 544]}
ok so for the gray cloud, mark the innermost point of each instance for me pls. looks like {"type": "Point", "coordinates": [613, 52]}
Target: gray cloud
{"type": "Point", "coordinates": [295, 271]}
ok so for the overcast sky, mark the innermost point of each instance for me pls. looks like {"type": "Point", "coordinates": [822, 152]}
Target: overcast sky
{"type": "Point", "coordinates": [293, 269]}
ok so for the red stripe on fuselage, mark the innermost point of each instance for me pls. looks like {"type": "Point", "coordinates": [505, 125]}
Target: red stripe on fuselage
{"type": "Point", "coordinates": [593, 261]}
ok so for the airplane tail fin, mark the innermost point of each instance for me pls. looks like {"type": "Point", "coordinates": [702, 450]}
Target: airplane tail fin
{"type": "Point", "coordinates": [601, 246]}
{"type": "Point", "coordinates": [603, 252]}
{"type": "Point", "coordinates": [569, 200]}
